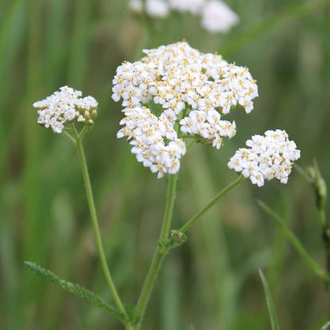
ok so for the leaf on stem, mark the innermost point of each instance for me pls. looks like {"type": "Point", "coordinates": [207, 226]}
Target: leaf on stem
{"type": "Point", "coordinates": [88, 296]}
{"type": "Point", "coordinates": [296, 243]}
{"type": "Point", "coordinates": [177, 238]}
{"type": "Point", "coordinates": [270, 304]}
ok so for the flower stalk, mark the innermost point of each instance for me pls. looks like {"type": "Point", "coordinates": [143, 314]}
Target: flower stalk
{"type": "Point", "coordinates": [211, 203]}
{"type": "Point", "coordinates": [92, 209]}
{"type": "Point", "coordinates": [162, 247]}
{"type": "Point", "coordinates": [160, 251]}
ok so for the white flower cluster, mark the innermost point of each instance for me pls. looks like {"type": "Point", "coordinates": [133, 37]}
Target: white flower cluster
{"type": "Point", "coordinates": [189, 89]}
{"type": "Point", "coordinates": [269, 156]}
{"type": "Point", "coordinates": [217, 17]}
{"type": "Point", "coordinates": [208, 125]}
{"type": "Point", "coordinates": [66, 106]}
{"type": "Point", "coordinates": [155, 142]}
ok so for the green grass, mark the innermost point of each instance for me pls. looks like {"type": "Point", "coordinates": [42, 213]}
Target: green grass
{"type": "Point", "coordinates": [212, 281]}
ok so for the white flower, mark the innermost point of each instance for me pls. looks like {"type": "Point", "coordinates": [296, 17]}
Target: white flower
{"type": "Point", "coordinates": [208, 126]}
{"type": "Point", "coordinates": [270, 156]}
{"type": "Point", "coordinates": [157, 8]}
{"type": "Point", "coordinates": [192, 6]}
{"type": "Point", "coordinates": [66, 106]}
{"type": "Point", "coordinates": [184, 88]}
{"type": "Point", "coordinates": [154, 8]}
{"type": "Point", "coordinates": [218, 17]}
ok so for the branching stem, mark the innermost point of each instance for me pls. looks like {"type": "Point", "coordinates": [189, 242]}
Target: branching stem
{"type": "Point", "coordinates": [212, 202]}
{"type": "Point", "coordinates": [160, 252]}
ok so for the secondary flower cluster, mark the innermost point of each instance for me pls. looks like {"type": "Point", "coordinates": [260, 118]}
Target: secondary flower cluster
{"type": "Point", "coordinates": [216, 15]}
{"type": "Point", "coordinates": [66, 106]}
{"type": "Point", "coordinates": [188, 89]}
{"type": "Point", "coordinates": [269, 156]}
{"type": "Point", "coordinates": [155, 142]}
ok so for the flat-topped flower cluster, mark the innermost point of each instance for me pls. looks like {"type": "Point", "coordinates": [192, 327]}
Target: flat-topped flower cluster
{"type": "Point", "coordinates": [269, 156]}
{"type": "Point", "coordinates": [189, 90]}
{"type": "Point", "coordinates": [65, 106]}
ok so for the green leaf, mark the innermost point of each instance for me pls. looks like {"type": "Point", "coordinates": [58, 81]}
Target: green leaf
{"type": "Point", "coordinates": [176, 239]}
{"type": "Point", "coordinates": [326, 326]}
{"type": "Point", "coordinates": [296, 243]}
{"type": "Point", "coordinates": [270, 304]}
{"type": "Point", "coordinates": [88, 296]}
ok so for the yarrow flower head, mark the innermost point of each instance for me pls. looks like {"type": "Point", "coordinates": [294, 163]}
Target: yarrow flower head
{"type": "Point", "coordinates": [66, 106]}
{"type": "Point", "coordinates": [269, 156]}
{"type": "Point", "coordinates": [176, 91]}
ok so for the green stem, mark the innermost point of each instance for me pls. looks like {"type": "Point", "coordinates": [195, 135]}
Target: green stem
{"type": "Point", "coordinates": [191, 143]}
{"type": "Point", "coordinates": [68, 135]}
{"type": "Point", "coordinates": [303, 173]}
{"type": "Point", "coordinates": [313, 176]}
{"type": "Point", "coordinates": [170, 197]}
{"type": "Point", "coordinates": [93, 214]}
{"type": "Point", "coordinates": [83, 132]}
{"type": "Point", "coordinates": [160, 252]}
{"type": "Point", "coordinates": [212, 202]}
{"type": "Point", "coordinates": [188, 136]}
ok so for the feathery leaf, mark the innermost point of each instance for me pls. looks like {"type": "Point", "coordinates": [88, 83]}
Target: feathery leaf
{"type": "Point", "coordinates": [76, 289]}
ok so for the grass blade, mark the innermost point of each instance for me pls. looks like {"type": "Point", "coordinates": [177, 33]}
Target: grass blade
{"type": "Point", "coordinates": [12, 32]}
{"type": "Point", "coordinates": [80, 44]}
{"type": "Point", "coordinates": [251, 34]}
{"type": "Point", "coordinates": [326, 326]}
{"type": "Point", "coordinates": [270, 304]}
{"type": "Point", "coordinates": [296, 243]}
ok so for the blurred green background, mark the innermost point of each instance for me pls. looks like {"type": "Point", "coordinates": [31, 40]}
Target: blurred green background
{"type": "Point", "coordinates": [212, 281]}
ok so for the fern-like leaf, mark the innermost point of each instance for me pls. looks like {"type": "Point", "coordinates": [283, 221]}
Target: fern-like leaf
{"type": "Point", "coordinates": [88, 296]}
